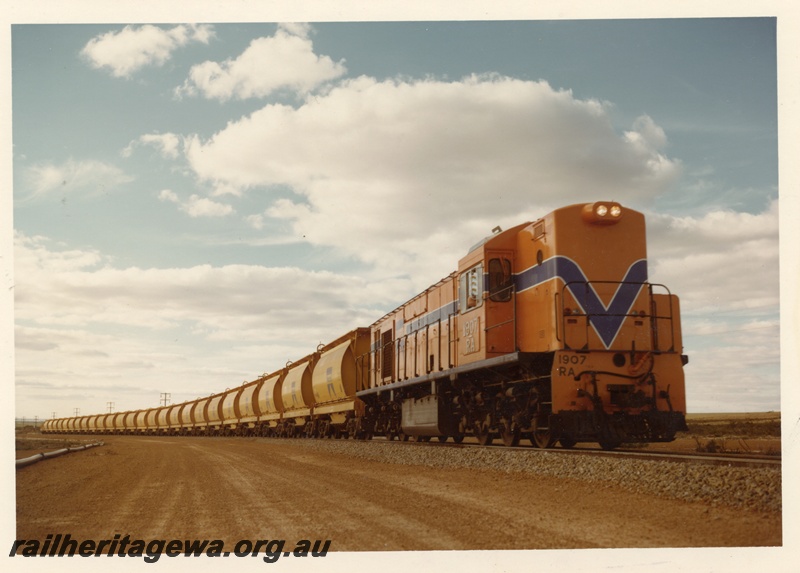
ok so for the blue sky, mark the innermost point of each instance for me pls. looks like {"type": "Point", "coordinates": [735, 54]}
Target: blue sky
{"type": "Point", "coordinates": [185, 196]}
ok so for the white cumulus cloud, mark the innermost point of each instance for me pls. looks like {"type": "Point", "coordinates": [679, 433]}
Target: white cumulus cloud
{"type": "Point", "coordinates": [722, 259]}
{"type": "Point", "coordinates": [283, 61]}
{"type": "Point", "coordinates": [126, 51]}
{"type": "Point", "coordinates": [427, 165]}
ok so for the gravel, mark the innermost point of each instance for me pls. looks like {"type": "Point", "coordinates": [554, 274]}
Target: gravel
{"type": "Point", "coordinates": [739, 487]}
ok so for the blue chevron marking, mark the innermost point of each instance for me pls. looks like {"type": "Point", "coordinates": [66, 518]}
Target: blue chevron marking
{"type": "Point", "coordinates": [606, 320]}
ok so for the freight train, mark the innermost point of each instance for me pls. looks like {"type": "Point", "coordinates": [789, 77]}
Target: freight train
{"type": "Point", "coordinates": [548, 332]}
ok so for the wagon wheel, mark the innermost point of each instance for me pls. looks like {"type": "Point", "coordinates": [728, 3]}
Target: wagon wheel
{"type": "Point", "coordinates": [442, 439]}
{"type": "Point", "coordinates": [509, 433]}
{"type": "Point", "coordinates": [458, 438]}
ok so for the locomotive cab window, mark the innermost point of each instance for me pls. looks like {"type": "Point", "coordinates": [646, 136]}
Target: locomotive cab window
{"type": "Point", "coordinates": [501, 280]}
{"type": "Point", "coordinates": [470, 289]}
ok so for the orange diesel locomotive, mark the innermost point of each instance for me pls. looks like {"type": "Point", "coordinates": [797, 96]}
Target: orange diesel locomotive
{"type": "Point", "coordinates": [548, 331]}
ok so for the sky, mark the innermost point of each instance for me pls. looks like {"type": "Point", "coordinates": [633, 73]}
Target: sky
{"type": "Point", "coordinates": [196, 204]}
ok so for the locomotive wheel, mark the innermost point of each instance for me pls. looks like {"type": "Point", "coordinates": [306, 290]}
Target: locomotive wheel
{"type": "Point", "coordinates": [567, 442]}
{"type": "Point", "coordinates": [610, 438]}
{"type": "Point", "coordinates": [610, 443]}
{"type": "Point", "coordinates": [542, 439]}
{"type": "Point", "coordinates": [483, 435]}
{"type": "Point", "coordinates": [510, 436]}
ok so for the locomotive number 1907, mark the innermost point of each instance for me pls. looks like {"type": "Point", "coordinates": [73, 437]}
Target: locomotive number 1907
{"type": "Point", "coordinates": [472, 341]}
{"type": "Point", "coordinates": [567, 362]}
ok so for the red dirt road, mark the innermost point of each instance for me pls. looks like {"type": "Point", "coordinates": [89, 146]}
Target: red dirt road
{"type": "Point", "coordinates": [233, 488]}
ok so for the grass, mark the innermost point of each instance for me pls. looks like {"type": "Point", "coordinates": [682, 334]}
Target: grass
{"type": "Point", "coordinates": [735, 428]}
{"type": "Point", "coordinates": [734, 433]}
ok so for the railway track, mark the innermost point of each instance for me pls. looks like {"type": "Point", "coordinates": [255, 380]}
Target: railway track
{"type": "Point", "coordinates": [731, 459]}
{"type": "Point", "coordinates": [726, 459]}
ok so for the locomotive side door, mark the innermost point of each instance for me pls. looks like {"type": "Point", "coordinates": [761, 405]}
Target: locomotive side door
{"type": "Point", "coordinates": [500, 303]}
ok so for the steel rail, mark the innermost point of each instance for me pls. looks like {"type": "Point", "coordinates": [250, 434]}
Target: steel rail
{"type": "Point", "coordinates": [730, 459]}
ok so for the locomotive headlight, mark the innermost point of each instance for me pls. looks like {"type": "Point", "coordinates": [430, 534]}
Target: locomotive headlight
{"type": "Point", "coordinates": [602, 213]}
